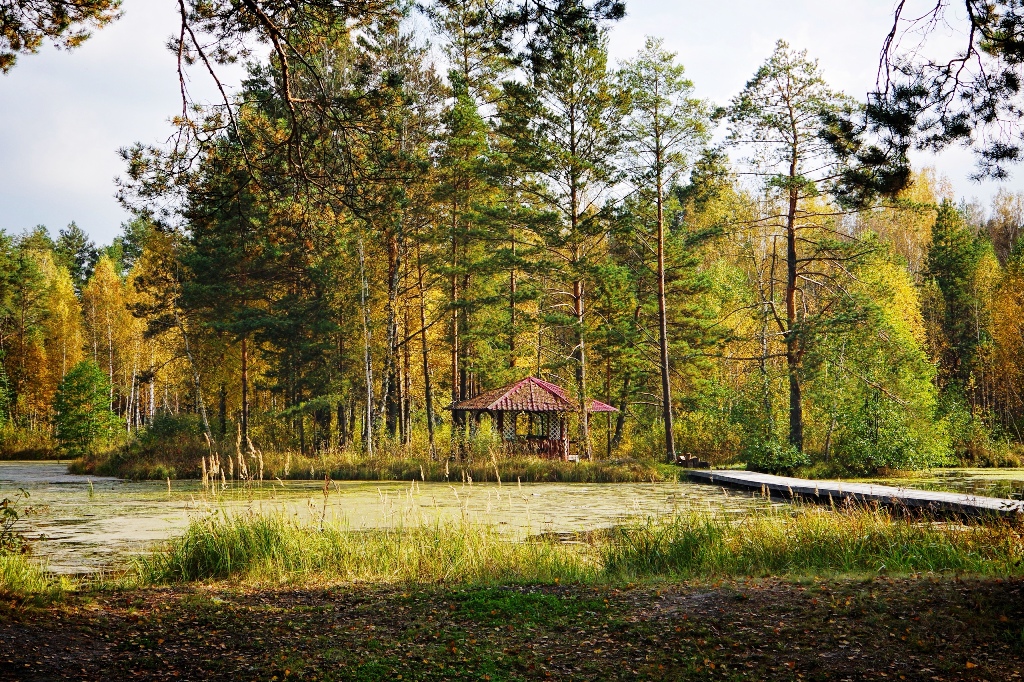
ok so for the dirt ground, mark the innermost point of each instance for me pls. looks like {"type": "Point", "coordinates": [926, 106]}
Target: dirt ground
{"type": "Point", "coordinates": [879, 629]}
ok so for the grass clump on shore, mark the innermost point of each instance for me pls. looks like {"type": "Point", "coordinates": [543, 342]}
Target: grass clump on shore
{"type": "Point", "coordinates": [261, 548]}
{"type": "Point", "coordinates": [272, 548]}
{"type": "Point", "coordinates": [812, 540]}
{"type": "Point", "coordinates": [510, 469]}
{"type": "Point", "coordinates": [23, 580]}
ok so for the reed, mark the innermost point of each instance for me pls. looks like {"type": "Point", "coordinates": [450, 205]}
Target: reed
{"type": "Point", "coordinates": [486, 470]}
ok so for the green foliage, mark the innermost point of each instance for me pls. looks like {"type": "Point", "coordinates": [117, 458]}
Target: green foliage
{"type": "Point", "coordinates": [82, 416]}
{"type": "Point", "coordinates": [26, 25]}
{"type": "Point", "coordinates": [880, 435]}
{"type": "Point", "coordinates": [973, 441]}
{"type": "Point", "coordinates": [132, 241]}
{"type": "Point", "coordinates": [5, 396]}
{"type": "Point", "coordinates": [20, 442]}
{"type": "Point", "coordinates": [76, 252]}
{"type": "Point", "coordinates": [171, 447]}
{"type": "Point", "coordinates": [379, 239]}
{"type": "Point", "coordinates": [774, 457]}
{"type": "Point", "coordinates": [873, 385]}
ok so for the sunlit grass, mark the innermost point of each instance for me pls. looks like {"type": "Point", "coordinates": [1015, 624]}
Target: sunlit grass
{"type": "Point", "coordinates": [508, 470]}
{"type": "Point", "coordinates": [272, 548]}
{"type": "Point", "coordinates": [23, 578]}
{"type": "Point", "coordinates": [812, 540]}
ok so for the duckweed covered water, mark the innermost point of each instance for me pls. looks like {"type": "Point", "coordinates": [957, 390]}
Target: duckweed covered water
{"type": "Point", "coordinates": [82, 524]}
{"type": "Point", "coordinates": [1005, 483]}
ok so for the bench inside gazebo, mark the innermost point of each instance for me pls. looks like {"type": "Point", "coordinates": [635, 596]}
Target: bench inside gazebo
{"type": "Point", "coordinates": [539, 407]}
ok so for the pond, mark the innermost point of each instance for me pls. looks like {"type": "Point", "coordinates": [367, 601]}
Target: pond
{"type": "Point", "coordinates": [81, 524]}
{"type": "Point", "coordinates": [1005, 483]}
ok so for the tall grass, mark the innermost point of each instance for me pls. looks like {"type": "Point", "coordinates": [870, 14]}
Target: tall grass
{"type": "Point", "coordinates": [813, 540]}
{"type": "Point", "coordinates": [178, 461]}
{"type": "Point", "coordinates": [23, 579]}
{"type": "Point", "coordinates": [272, 548]}
{"type": "Point", "coordinates": [508, 469]}
{"type": "Point", "coordinates": [262, 548]}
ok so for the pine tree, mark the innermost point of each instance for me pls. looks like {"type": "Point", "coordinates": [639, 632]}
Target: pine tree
{"type": "Point", "coordinates": [665, 126]}
{"type": "Point", "coordinates": [562, 124]}
{"type": "Point", "coordinates": [780, 114]}
{"type": "Point", "coordinates": [954, 258]}
{"type": "Point", "coordinates": [76, 252]}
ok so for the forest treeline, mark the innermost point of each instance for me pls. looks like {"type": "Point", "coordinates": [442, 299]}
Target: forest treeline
{"type": "Point", "coordinates": [422, 208]}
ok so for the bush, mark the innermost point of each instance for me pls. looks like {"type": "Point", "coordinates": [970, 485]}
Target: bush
{"type": "Point", "coordinates": [879, 436]}
{"type": "Point", "coordinates": [18, 442]}
{"type": "Point", "coordinates": [11, 541]}
{"type": "Point", "coordinates": [172, 427]}
{"type": "Point", "coordinates": [774, 457]}
{"type": "Point", "coordinates": [973, 442]}
{"type": "Point", "coordinates": [171, 447]}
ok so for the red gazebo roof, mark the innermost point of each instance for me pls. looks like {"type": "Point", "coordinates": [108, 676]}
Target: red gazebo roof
{"type": "Point", "coordinates": [528, 395]}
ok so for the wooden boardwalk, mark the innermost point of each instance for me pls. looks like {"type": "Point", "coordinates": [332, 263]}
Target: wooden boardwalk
{"type": "Point", "coordinates": [840, 491]}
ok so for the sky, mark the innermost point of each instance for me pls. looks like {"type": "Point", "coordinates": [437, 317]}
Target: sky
{"type": "Point", "coordinates": [64, 116]}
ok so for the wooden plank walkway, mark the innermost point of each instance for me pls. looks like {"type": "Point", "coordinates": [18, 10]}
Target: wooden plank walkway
{"type": "Point", "coordinates": [839, 491]}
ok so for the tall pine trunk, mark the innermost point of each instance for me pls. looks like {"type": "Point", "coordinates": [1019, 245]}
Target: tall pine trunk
{"type": "Point", "coordinates": [580, 354]}
{"type": "Point", "coordinates": [666, 385]}
{"type": "Point", "coordinates": [390, 399]}
{"type": "Point", "coordinates": [427, 389]}
{"type": "Point", "coordinates": [796, 415]}
{"type": "Point", "coordinates": [367, 359]}
{"type": "Point", "coordinates": [457, 422]}
{"type": "Point", "coordinates": [245, 396]}
{"type": "Point", "coordinates": [512, 284]}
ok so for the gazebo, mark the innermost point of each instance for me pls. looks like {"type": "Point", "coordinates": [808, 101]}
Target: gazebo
{"type": "Point", "coordinates": [546, 407]}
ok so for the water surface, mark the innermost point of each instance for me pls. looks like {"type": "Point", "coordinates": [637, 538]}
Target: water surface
{"type": "Point", "coordinates": [82, 523]}
{"type": "Point", "coordinates": [87, 523]}
{"type": "Point", "coordinates": [1005, 483]}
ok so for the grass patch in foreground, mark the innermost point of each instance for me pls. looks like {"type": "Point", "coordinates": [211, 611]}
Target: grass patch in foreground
{"type": "Point", "coordinates": [269, 548]}
{"type": "Point", "coordinates": [812, 540]}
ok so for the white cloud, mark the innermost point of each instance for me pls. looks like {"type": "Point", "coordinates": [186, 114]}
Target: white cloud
{"type": "Point", "coordinates": [63, 116]}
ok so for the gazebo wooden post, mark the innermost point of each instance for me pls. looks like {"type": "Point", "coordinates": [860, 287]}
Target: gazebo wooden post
{"type": "Point", "coordinates": [474, 423]}
{"type": "Point", "coordinates": [563, 433]}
